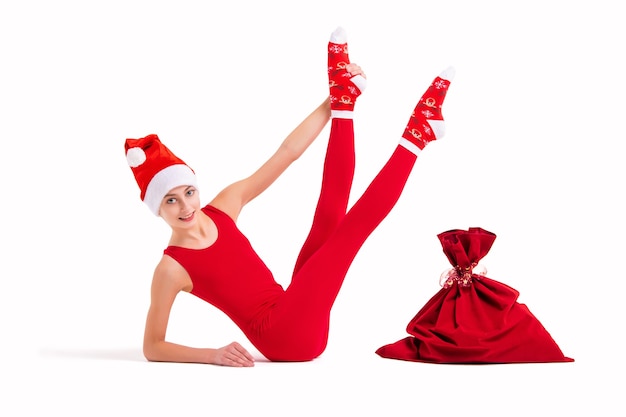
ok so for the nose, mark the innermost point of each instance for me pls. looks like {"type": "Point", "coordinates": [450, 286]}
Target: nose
{"type": "Point", "coordinates": [184, 206]}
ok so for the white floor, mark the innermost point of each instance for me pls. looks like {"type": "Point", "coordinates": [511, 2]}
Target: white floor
{"type": "Point", "coordinates": [118, 382]}
{"type": "Point", "coordinates": [534, 152]}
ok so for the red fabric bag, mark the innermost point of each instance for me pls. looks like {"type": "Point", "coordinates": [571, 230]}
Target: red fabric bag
{"type": "Point", "coordinates": [473, 319]}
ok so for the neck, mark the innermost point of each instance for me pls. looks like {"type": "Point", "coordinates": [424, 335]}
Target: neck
{"type": "Point", "coordinates": [200, 235]}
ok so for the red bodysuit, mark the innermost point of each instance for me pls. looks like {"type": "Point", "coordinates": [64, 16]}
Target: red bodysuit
{"type": "Point", "coordinates": [292, 324]}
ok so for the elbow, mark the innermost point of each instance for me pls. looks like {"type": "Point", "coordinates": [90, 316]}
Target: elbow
{"type": "Point", "coordinates": [150, 352]}
{"type": "Point", "coordinates": [148, 357]}
{"type": "Point", "coordinates": [291, 152]}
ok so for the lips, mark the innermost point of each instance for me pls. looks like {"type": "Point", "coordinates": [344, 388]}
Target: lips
{"type": "Point", "coordinates": [188, 217]}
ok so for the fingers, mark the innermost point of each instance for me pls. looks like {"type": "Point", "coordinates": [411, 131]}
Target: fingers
{"type": "Point", "coordinates": [246, 355]}
{"type": "Point", "coordinates": [236, 355]}
{"type": "Point", "coordinates": [242, 355]}
{"type": "Point", "coordinates": [355, 69]}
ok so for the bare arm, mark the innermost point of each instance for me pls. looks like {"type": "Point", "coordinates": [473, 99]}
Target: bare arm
{"type": "Point", "coordinates": [232, 199]}
{"type": "Point", "coordinates": [169, 279]}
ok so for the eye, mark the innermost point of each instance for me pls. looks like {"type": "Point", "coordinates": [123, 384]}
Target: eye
{"type": "Point", "coordinates": [191, 192]}
{"type": "Point", "coordinates": [170, 200]}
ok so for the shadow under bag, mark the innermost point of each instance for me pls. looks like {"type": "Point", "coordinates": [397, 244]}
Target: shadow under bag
{"type": "Point", "coordinates": [473, 319]}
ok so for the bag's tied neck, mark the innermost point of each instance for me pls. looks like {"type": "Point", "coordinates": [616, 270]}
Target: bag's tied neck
{"type": "Point", "coordinates": [463, 277]}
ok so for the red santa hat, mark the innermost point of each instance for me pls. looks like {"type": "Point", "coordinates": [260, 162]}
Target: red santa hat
{"type": "Point", "coordinates": [156, 169]}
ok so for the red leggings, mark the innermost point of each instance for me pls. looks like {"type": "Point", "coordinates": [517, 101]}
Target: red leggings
{"type": "Point", "coordinates": [300, 319]}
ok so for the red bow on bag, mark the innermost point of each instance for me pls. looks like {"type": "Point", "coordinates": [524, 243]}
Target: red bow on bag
{"type": "Point", "coordinates": [473, 319]}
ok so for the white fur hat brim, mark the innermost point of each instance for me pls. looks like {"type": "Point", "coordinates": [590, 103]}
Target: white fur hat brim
{"type": "Point", "coordinates": [164, 181]}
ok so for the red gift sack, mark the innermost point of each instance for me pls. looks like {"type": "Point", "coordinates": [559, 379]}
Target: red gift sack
{"type": "Point", "coordinates": [473, 319]}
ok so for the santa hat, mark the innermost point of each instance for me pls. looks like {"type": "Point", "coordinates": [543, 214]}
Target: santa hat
{"type": "Point", "coordinates": [156, 169]}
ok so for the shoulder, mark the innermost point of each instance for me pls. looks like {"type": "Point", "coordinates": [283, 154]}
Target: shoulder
{"type": "Point", "coordinates": [170, 275]}
{"type": "Point", "coordinates": [229, 201]}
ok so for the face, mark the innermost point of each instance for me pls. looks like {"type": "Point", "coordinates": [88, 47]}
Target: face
{"type": "Point", "coordinates": [180, 206]}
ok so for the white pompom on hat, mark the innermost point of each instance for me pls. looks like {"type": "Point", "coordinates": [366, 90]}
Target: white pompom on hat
{"type": "Point", "coordinates": [156, 169]}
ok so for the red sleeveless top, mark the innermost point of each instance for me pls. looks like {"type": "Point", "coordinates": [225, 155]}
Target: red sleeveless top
{"type": "Point", "coordinates": [229, 274]}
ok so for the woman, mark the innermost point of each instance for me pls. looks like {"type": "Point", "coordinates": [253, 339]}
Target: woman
{"type": "Point", "coordinates": [209, 257]}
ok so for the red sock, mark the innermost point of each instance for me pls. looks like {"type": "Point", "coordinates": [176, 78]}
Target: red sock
{"type": "Point", "coordinates": [344, 88]}
{"type": "Point", "coordinates": [426, 123]}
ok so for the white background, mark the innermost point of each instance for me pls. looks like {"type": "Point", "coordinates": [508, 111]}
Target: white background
{"type": "Point", "coordinates": [533, 152]}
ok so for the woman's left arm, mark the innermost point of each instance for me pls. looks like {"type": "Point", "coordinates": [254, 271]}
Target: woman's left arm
{"type": "Point", "coordinates": [232, 198]}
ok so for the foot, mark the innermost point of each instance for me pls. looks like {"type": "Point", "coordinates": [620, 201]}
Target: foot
{"type": "Point", "coordinates": [426, 123]}
{"type": "Point", "coordinates": [344, 88]}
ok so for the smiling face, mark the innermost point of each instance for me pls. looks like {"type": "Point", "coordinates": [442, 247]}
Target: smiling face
{"type": "Point", "coordinates": [180, 206]}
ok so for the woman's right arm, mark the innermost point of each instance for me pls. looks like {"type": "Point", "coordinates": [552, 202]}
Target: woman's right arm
{"type": "Point", "coordinates": [168, 280]}
{"type": "Point", "coordinates": [234, 197]}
